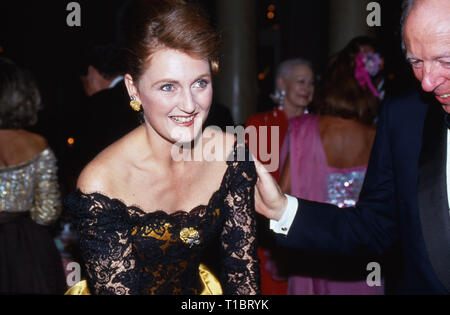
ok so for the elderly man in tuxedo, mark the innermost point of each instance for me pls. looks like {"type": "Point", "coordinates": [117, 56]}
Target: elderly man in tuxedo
{"type": "Point", "coordinates": [405, 196]}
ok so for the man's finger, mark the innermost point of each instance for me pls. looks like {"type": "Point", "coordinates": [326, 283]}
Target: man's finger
{"type": "Point", "coordinates": [260, 207]}
{"type": "Point", "coordinates": [264, 176]}
{"type": "Point", "coordinates": [260, 167]}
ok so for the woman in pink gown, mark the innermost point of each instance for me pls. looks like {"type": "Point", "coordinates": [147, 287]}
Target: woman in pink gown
{"type": "Point", "coordinates": [324, 159]}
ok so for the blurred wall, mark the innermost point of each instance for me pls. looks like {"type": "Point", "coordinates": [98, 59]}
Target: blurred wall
{"type": "Point", "coordinates": [236, 85]}
{"type": "Point", "coordinates": [347, 19]}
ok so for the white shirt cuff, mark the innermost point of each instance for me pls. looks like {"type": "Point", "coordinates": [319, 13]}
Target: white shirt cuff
{"type": "Point", "coordinates": [283, 226]}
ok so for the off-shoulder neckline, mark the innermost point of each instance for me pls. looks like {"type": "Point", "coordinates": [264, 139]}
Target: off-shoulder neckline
{"type": "Point", "coordinates": [26, 163]}
{"type": "Point", "coordinates": [159, 211]}
{"type": "Point", "coordinates": [143, 212]}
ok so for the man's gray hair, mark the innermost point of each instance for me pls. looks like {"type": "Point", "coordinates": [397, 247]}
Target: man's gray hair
{"type": "Point", "coordinates": [406, 10]}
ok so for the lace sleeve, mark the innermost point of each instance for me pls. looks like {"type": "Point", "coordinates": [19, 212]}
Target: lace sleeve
{"type": "Point", "coordinates": [240, 263]}
{"type": "Point", "coordinates": [105, 244]}
{"type": "Point", "coordinates": [47, 199]}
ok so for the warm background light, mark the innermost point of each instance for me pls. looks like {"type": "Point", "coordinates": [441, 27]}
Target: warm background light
{"type": "Point", "coordinates": [263, 75]}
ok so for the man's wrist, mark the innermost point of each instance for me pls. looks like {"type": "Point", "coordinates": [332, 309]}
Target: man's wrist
{"type": "Point", "coordinates": [283, 225]}
{"type": "Point", "coordinates": [282, 210]}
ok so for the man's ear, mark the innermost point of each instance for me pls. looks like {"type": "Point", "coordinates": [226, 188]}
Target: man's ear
{"type": "Point", "coordinates": [92, 81]}
{"type": "Point", "coordinates": [93, 73]}
{"type": "Point", "coordinates": [131, 87]}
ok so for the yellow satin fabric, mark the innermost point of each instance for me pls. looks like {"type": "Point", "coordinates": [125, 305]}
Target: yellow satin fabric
{"type": "Point", "coordinates": [211, 286]}
{"type": "Point", "coordinates": [81, 288]}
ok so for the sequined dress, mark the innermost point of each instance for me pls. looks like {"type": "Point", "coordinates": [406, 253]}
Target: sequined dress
{"type": "Point", "coordinates": [313, 179]}
{"type": "Point", "coordinates": [29, 201]}
{"type": "Point", "coordinates": [129, 251]}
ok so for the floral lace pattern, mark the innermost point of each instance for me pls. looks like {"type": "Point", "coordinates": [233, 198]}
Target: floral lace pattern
{"type": "Point", "coordinates": [128, 251]}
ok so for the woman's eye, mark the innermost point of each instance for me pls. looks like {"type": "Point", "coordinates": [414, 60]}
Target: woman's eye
{"type": "Point", "coordinates": [167, 88]}
{"type": "Point", "coordinates": [201, 84]}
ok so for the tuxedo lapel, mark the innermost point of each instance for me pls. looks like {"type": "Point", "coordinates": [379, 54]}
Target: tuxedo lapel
{"type": "Point", "coordinates": [432, 194]}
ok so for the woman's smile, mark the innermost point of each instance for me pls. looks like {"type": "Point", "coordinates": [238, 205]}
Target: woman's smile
{"type": "Point", "coordinates": [184, 121]}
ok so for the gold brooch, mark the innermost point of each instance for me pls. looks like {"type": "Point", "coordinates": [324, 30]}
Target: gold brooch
{"type": "Point", "coordinates": [190, 236]}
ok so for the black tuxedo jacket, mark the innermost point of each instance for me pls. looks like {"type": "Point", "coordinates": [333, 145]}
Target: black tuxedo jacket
{"type": "Point", "coordinates": [404, 198]}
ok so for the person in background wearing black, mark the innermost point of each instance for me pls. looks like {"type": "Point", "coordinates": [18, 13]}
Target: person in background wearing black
{"type": "Point", "coordinates": [219, 116]}
{"type": "Point", "coordinates": [105, 116]}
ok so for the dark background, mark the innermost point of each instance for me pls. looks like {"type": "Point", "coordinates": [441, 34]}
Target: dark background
{"type": "Point", "coordinates": [35, 35]}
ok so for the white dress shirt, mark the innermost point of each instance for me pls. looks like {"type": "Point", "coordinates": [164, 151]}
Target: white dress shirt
{"type": "Point", "coordinates": [283, 226]}
{"type": "Point", "coordinates": [116, 81]}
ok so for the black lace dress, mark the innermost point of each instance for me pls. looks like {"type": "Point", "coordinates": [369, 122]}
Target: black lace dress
{"type": "Point", "coordinates": [128, 251]}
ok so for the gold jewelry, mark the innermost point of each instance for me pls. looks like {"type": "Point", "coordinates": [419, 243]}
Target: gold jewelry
{"type": "Point", "coordinates": [135, 105]}
{"type": "Point", "coordinates": [190, 236]}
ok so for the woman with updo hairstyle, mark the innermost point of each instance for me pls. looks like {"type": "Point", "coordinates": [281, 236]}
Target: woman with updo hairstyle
{"type": "Point", "coordinates": [327, 157]}
{"type": "Point", "coordinates": [29, 193]}
{"type": "Point", "coordinates": [294, 91]}
{"type": "Point", "coordinates": [149, 205]}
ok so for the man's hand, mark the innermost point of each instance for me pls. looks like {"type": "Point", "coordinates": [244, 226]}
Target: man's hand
{"type": "Point", "coordinates": [269, 199]}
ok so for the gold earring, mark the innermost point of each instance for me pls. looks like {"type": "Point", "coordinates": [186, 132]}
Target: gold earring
{"type": "Point", "coordinates": [135, 105]}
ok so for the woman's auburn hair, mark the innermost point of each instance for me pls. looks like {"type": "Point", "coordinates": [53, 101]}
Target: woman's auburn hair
{"type": "Point", "coordinates": [340, 95]}
{"type": "Point", "coordinates": [172, 24]}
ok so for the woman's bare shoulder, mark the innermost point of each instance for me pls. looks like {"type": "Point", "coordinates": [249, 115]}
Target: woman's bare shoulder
{"type": "Point", "coordinates": [218, 143]}
{"type": "Point", "coordinates": [38, 142]}
{"type": "Point", "coordinates": [19, 146]}
{"type": "Point", "coordinates": [105, 169]}
{"type": "Point", "coordinates": [94, 178]}
{"type": "Point", "coordinates": [30, 142]}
